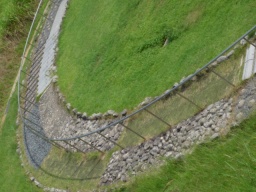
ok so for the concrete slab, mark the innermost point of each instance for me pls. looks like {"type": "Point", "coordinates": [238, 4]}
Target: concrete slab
{"type": "Point", "coordinates": [48, 58]}
{"type": "Point", "coordinates": [249, 65]}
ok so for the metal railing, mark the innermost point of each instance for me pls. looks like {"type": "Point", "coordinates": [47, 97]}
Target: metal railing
{"type": "Point", "coordinates": [28, 102]}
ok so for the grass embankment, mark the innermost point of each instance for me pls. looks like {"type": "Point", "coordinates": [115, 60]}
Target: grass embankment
{"type": "Point", "coordinates": [203, 92]}
{"type": "Point", "coordinates": [15, 17]}
{"type": "Point", "coordinates": [226, 164]}
{"type": "Point", "coordinates": [111, 53]}
{"type": "Point", "coordinates": [12, 175]}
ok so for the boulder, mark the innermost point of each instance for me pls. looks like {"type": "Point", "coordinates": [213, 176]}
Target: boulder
{"type": "Point", "coordinates": [251, 103]}
{"type": "Point", "coordinates": [241, 103]}
{"type": "Point", "coordinates": [230, 53]}
{"type": "Point", "coordinates": [221, 59]}
{"type": "Point", "coordinates": [68, 106]}
{"type": "Point", "coordinates": [146, 101]}
{"type": "Point", "coordinates": [84, 116]}
{"type": "Point", "coordinates": [124, 113]}
{"type": "Point", "coordinates": [55, 79]}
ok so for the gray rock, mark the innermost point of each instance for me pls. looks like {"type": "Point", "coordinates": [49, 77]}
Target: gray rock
{"type": "Point", "coordinates": [239, 116]}
{"type": "Point", "coordinates": [242, 42]}
{"type": "Point", "coordinates": [123, 178]}
{"type": "Point", "coordinates": [54, 69]}
{"type": "Point", "coordinates": [111, 112]}
{"type": "Point", "coordinates": [55, 79]}
{"type": "Point", "coordinates": [241, 103]}
{"type": "Point", "coordinates": [74, 111]}
{"type": "Point", "coordinates": [79, 114]}
{"type": "Point", "coordinates": [251, 103]}
{"type": "Point", "coordinates": [147, 145]}
{"type": "Point", "coordinates": [183, 79]}
{"type": "Point", "coordinates": [202, 121]}
{"type": "Point", "coordinates": [214, 64]}
{"type": "Point", "coordinates": [230, 53]}
{"type": "Point", "coordinates": [186, 144]}
{"type": "Point", "coordinates": [168, 154]}
{"type": "Point", "coordinates": [68, 106]}
{"type": "Point", "coordinates": [144, 157]}
{"type": "Point", "coordinates": [115, 115]}
{"type": "Point", "coordinates": [221, 59]}
{"type": "Point", "coordinates": [124, 112]}
{"type": "Point", "coordinates": [213, 110]}
{"type": "Point", "coordinates": [194, 78]}
{"type": "Point", "coordinates": [176, 84]}
{"type": "Point", "coordinates": [215, 135]}
{"type": "Point", "coordinates": [167, 91]}
{"type": "Point", "coordinates": [125, 156]}
{"type": "Point", "coordinates": [84, 115]}
{"type": "Point", "coordinates": [146, 101]}
{"type": "Point", "coordinates": [155, 149]}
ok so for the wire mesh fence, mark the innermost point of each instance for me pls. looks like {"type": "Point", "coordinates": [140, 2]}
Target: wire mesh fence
{"type": "Point", "coordinates": [216, 80]}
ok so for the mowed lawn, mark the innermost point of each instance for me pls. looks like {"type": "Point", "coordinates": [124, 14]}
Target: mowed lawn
{"type": "Point", "coordinates": [111, 53]}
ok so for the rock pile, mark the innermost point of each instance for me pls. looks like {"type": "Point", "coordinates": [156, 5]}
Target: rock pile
{"type": "Point", "coordinates": [58, 123]}
{"type": "Point", "coordinates": [207, 124]}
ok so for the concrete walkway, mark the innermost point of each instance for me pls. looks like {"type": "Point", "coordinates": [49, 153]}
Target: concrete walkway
{"type": "Point", "coordinates": [48, 58]}
{"type": "Point", "coordinates": [250, 63]}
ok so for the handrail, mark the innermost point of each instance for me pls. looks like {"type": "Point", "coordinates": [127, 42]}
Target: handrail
{"type": "Point", "coordinates": [162, 96]}
{"type": "Point", "coordinates": [142, 108]}
{"type": "Point", "coordinates": [24, 51]}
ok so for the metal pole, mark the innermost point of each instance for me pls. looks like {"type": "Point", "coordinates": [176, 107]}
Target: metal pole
{"type": "Point", "coordinates": [73, 146]}
{"type": "Point", "coordinates": [41, 14]}
{"type": "Point", "coordinates": [249, 42]}
{"type": "Point", "coordinates": [28, 105]}
{"type": "Point", "coordinates": [27, 88]}
{"type": "Point", "coordinates": [89, 173]}
{"type": "Point", "coordinates": [42, 137]}
{"type": "Point", "coordinates": [132, 130]}
{"type": "Point", "coordinates": [222, 77]}
{"type": "Point", "coordinates": [110, 140]}
{"type": "Point", "coordinates": [33, 123]}
{"type": "Point", "coordinates": [90, 145]}
{"type": "Point", "coordinates": [189, 101]}
{"type": "Point", "coordinates": [33, 84]}
{"type": "Point", "coordinates": [25, 110]}
{"type": "Point", "coordinates": [157, 117]}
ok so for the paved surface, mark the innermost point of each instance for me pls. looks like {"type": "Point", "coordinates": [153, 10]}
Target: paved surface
{"type": "Point", "coordinates": [45, 76]}
{"type": "Point", "coordinates": [36, 147]}
{"type": "Point", "coordinates": [250, 63]}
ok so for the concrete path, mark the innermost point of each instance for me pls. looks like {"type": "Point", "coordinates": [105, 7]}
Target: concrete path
{"type": "Point", "coordinates": [45, 76]}
{"type": "Point", "coordinates": [250, 63]}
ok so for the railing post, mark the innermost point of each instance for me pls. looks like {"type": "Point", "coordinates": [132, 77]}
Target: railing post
{"type": "Point", "coordinates": [158, 117]}
{"type": "Point", "coordinates": [125, 126]}
{"type": "Point", "coordinates": [110, 140]}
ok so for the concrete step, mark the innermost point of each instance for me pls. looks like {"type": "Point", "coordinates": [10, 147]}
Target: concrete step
{"type": "Point", "coordinates": [249, 63]}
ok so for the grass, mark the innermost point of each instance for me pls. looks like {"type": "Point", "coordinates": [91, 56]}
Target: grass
{"type": "Point", "coordinates": [72, 171]}
{"type": "Point", "coordinates": [204, 91]}
{"type": "Point", "coordinates": [225, 164]}
{"type": "Point", "coordinates": [111, 53]}
{"type": "Point", "coordinates": [13, 177]}
{"type": "Point", "coordinates": [15, 16]}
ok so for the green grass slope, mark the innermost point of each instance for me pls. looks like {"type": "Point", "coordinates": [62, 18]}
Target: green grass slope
{"type": "Point", "coordinates": [227, 164]}
{"type": "Point", "coordinates": [111, 53]}
{"type": "Point", "coordinates": [12, 175]}
{"type": "Point", "coordinates": [15, 17]}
